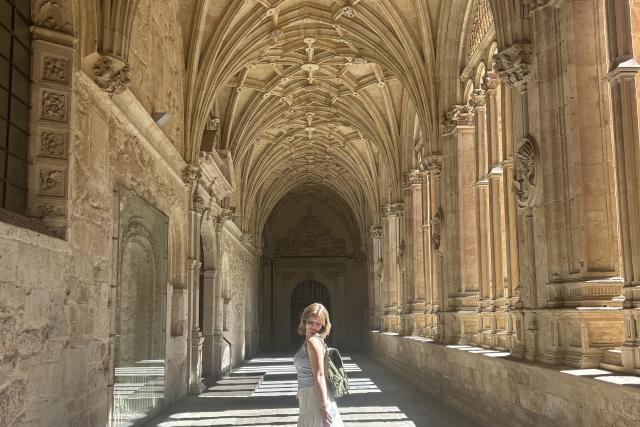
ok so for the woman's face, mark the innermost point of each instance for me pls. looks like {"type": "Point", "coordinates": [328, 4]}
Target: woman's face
{"type": "Point", "coordinates": [313, 324]}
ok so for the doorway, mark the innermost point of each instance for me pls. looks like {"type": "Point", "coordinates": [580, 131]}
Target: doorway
{"type": "Point", "coordinates": [304, 294]}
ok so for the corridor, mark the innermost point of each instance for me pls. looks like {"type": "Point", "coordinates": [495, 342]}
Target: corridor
{"type": "Point", "coordinates": [261, 392]}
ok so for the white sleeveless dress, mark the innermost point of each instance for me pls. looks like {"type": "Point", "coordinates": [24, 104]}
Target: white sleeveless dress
{"type": "Point", "coordinates": [308, 400]}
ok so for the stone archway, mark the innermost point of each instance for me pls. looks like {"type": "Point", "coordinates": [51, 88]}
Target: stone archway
{"type": "Point", "coordinates": [304, 294]}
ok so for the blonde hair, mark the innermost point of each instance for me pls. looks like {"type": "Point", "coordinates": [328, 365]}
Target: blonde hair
{"type": "Point", "coordinates": [319, 310]}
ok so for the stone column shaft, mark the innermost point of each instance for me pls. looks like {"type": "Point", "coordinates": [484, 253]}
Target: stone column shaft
{"type": "Point", "coordinates": [624, 51]}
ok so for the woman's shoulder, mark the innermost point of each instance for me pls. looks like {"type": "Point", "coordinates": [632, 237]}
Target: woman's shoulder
{"type": "Point", "coordinates": [316, 340]}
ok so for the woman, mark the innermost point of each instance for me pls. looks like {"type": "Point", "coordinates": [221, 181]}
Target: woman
{"type": "Point", "coordinates": [317, 407]}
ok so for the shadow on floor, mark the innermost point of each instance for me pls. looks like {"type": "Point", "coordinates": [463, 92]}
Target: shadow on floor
{"type": "Point", "coordinates": [261, 392]}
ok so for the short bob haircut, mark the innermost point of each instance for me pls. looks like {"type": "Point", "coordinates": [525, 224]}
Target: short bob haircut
{"type": "Point", "coordinates": [319, 310]}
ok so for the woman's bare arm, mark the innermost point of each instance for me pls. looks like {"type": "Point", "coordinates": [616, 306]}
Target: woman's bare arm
{"type": "Point", "coordinates": [315, 350]}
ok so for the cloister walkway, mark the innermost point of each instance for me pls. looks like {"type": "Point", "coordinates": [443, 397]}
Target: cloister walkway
{"type": "Point", "coordinates": [261, 392]}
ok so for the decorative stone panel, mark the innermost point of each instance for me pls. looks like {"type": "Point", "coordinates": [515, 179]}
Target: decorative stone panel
{"type": "Point", "coordinates": [51, 73]}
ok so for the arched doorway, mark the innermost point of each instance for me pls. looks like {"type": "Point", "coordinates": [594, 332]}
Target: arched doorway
{"type": "Point", "coordinates": [305, 293]}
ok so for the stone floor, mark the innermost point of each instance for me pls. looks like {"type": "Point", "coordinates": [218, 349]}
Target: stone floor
{"type": "Point", "coordinates": [261, 392]}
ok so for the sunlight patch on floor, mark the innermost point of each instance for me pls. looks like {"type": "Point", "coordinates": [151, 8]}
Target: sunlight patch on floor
{"type": "Point", "coordinates": [352, 415]}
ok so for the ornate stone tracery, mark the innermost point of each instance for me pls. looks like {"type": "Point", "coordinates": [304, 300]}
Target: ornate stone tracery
{"type": "Point", "coordinates": [310, 237]}
{"type": "Point", "coordinates": [480, 26]}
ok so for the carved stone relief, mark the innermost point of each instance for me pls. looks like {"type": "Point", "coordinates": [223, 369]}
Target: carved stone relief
{"type": "Point", "coordinates": [525, 164]}
{"type": "Point", "coordinates": [51, 182]}
{"type": "Point", "coordinates": [53, 143]}
{"type": "Point", "coordinates": [375, 232]}
{"type": "Point", "coordinates": [111, 74]}
{"type": "Point", "coordinates": [513, 65]}
{"type": "Point", "coordinates": [310, 237]}
{"type": "Point", "coordinates": [480, 26]}
{"type": "Point", "coordinates": [54, 106]}
{"type": "Point", "coordinates": [52, 14]}
{"type": "Point", "coordinates": [436, 231]}
{"type": "Point", "coordinates": [412, 177]}
{"type": "Point", "coordinates": [458, 115]}
{"type": "Point", "coordinates": [55, 69]}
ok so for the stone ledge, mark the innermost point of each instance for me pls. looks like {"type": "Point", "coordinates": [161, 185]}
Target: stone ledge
{"type": "Point", "coordinates": [29, 231]}
{"type": "Point", "coordinates": [503, 391]}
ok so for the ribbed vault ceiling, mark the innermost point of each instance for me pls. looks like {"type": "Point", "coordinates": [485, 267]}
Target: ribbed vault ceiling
{"type": "Point", "coordinates": [316, 96]}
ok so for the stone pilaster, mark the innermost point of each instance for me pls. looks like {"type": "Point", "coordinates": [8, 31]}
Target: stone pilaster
{"type": "Point", "coordinates": [414, 251]}
{"type": "Point", "coordinates": [50, 131]}
{"type": "Point", "coordinates": [623, 52]}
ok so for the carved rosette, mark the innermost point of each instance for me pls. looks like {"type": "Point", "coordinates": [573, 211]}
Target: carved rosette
{"type": "Point", "coordinates": [436, 231]}
{"type": "Point", "coordinates": [55, 69]}
{"type": "Point", "coordinates": [348, 12]}
{"type": "Point", "coordinates": [513, 65]}
{"type": "Point", "coordinates": [458, 115]}
{"type": "Point", "coordinates": [111, 74]}
{"type": "Point", "coordinates": [54, 106]}
{"type": "Point", "coordinates": [526, 162]}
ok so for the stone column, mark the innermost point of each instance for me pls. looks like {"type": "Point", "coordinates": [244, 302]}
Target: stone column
{"type": "Point", "coordinates": [208, 322]}
{"type": "Point", "coordinates": [433, 244]}
{"type": "Point", "coordinates": [51, 73]}
{"type": "Point", "coordinates": [623, 29]}
{"type": "Point", "coordinates": [513, 67]}
{"type": "Point", "coordinates": [391, 217]}
{"type": "Point", "coordinates": [376, 303]}
{"type": "Point", "coordinates": [496, 187]}
{"type": "Point", "coordinates": [414, 252]}
{"type": "Point", "coordinates": [483, 224]}
{"type": "Point", "coordinates": [198, 210]}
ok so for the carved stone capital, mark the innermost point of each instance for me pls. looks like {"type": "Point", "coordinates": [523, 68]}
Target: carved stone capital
{"type": "Point", "coordinates": [490, 81]}
{"type": "Point", "coordinates": [458, 115]}
{"type": "Point", "coordinates": [375, 232]}
{"type": "Point", "coordinates": [513, 65]}
{"type": "Point", "coordinates": [200, 205]}
{"type": "Point", "coordinates": [478, 98]}
{"type": "Point", "coordinates": [391, 209]}
{"type": "Point", "coordinates": [432, 164]}
{"type": "Point", "coordinates": [111, 74]}
{"type": "Point", "coordinates": [526, 161]}
{"type": "Point", "coordinates": [190, 174]}
{"type": "Point", "coordinates": [225, 215]}
{"type": "Point", "coordinates": [411, 177]}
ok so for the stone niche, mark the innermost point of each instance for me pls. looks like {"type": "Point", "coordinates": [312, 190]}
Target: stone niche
{"type": "Point", "coordinates": [141, 303]}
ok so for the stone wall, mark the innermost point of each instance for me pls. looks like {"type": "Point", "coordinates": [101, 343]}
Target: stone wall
{"type": "Point", "coordinates": [241, 275]}
{"type": "Point", "coordinates": [55, 295]}
{"type": "Point", "coordinates": [499, 391]}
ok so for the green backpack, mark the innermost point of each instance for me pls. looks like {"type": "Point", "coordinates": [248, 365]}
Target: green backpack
{"type": "Point", "coordinates": [337, 381]}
